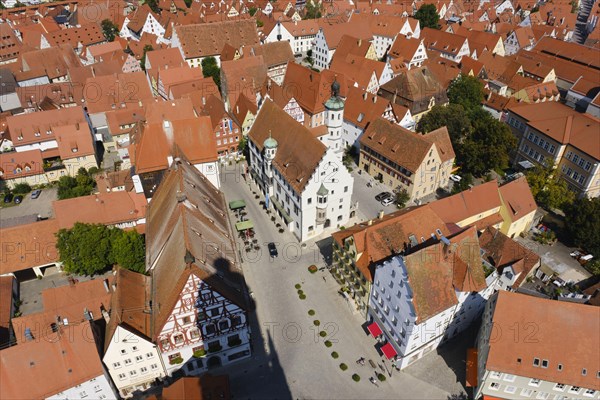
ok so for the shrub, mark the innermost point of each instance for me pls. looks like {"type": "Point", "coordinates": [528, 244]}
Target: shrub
{"type": "Point", "coordinates": [335, 354]}
{"type": "Point", "coordinates": [199, 353]}
{"type": "Point", "coordinates": [22, 188]}
{"type": "Point", "coordinates": [328, 343]}
{"type": "Point", "coordinates": [300, 291]}
{"type": "Point", "coordinates": [343, 367]}
{"type": "Point", "coordinates": [317, 322]}
{"type": "Point", "coordinates": [273, 218]}
{"type": "Point", "coordinates": [322, 333]}
{"type": "Point", "coordinates": [297, 286]}
{"type": "Point", "coordinates": [356, 377]}
{"type": "Point", "coordinates": [177, 360]}
{"type": "Point", "coordinates": [312, 269]}
{"type": "Point", "coordinates": [311, 312]}
{"type": "Point", "coordinates": [281, 230]}
{"type": "Point", "coordinates": [302, 296]}
{"type": "Point", "coordinates": [381, 377]}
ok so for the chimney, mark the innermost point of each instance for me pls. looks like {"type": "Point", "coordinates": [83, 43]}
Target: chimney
{"type": "Point", "coordinates": [180, 196]}
{"type": "Point", "coordinates": [237, 109]}
{"type": "Point", "coordinates": [105, 314]}
{"type": "Point", "coordinates": [370, 222]}
{"type": "Point", "coordinates": [365, 95]}
{"type": "Point", "coordinates": [106, 287]}
{"type": "Point", "coordinates": [374, 99]}
{"type": "Point", "coordinates": [203, 100]}
{"type": "Point", "coordinates": [359, 42]}
{"type": "Point", "coordinates": [380, 214]}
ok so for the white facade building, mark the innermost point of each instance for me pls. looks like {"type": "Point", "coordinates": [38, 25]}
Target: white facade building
{"type": "Point", "coordinates": [96, 388]}
{"type": "Point", "coordinates": [303, 177]}
{"type": "Point", "coordinates": [413, 320]}
{"type": "Point", "coordinates": [300, 34]}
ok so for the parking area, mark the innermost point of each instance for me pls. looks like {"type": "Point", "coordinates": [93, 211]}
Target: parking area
{"type": "Point", "coordinates": [41, 206]}
{"type": "Point", "coordinates": [557, 257]}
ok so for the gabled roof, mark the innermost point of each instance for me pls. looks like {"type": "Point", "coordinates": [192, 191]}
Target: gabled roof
{"type": "Point", "coordinates": [188, 233]}
{"type": "Point", "coordinates": [468, 203]}
{"type": "Point", "coordinates": [436, 272]}
{"type": "Point", "coordinates": [501, 251]}
{"type": "Point", "coordinates": [206, 387]}
{"type": "Point", "coordinates": [104, 208]}
{"type": "Point", "coordinates": [245, 75]}
{"type": "Point", "coordinates": [390, 235]}
{"type": "Point", "coordinates": [562, 124]}
{"type": "Point", "coordinates": [333, 32]}
{"type": "Point", "coordinates": [42, 368]}
{"type": "Point", "coordinates": [349, 44]}
{"type": "Point", "coordinates": [129, 304]}
{"type": "Point", "coordinates": [362, 107]}
{"type": "Point", "coordinates": [566, 335]}
{"type": "Point", "coordinates": [298, 152]}
{"type": "Point", "coordinates": [311, 89]}
{"type": "Point", "coordinates": [273, 54]}
{"type": "Point", "coordinates": [203, 40]}
{"type": "Point", "coordinates": [18, 164]}
{"type": "Point", "coordinates": [441, 41]}
{"type": "Point", "coordinates": [404, 48]}
{"type": "Point", "coordinates": [403, 147]}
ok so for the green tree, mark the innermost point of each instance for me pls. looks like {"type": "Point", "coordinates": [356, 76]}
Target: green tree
{"type": "Point", "coordinates": [452, 116]}
{"type": "Point", "coordinates": [466, 91]}
{"type": "Point", "coordinates": [147, 48]}
{"type": "Point", "coordinates": [494, 140]}
{"type": "Point", "coordinates": [211, 68]}
{"type": "Point", "coordinates": [312, 11]}
{"type": "Point", "coordinates": [259, 23]}
{"type": "Point", "coordinates": [84, 249]}
{"type": "Point", "coordinates": [428, 16]}
{"type": "Point", "coordinates": [402, 198]}
{"type": "Point", "coordinates": [128, 250]}
{"type": "Point", "coordinates": [21, 188]}
{"type": "Point", "coordinates": [464, 184]}
{"type": "Point", "coordinates": [593, 266]}
{"type": "Point", "coordinates": [153, 4]}
{"type": "Point", "coordinates": [252, 11]}
{"type": "Point", "coordinates": [80, 185]}
{"type": "Point", "coordinates": [548, 190]}
{"type": "Point", "coordinates": [110, 30]}
{"type": "Point", "coordinates": [582, 219]}
{"type": "Point", "coordinates": [88, 249]}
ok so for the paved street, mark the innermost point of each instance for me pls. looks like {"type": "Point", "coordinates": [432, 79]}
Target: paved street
{"type": "Point", "coordinates": [290, 359]}
{"type": "Point", "coordinates": [368, 207]}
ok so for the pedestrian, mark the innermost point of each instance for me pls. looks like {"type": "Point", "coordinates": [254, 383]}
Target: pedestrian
{"type": "Point", "coordinates": [324, 279]}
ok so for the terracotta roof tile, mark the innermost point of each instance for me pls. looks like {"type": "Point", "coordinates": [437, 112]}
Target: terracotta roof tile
{"type": "Point", "coordinates": [298, 152]}
{"type": "Point", "coordinates": [565, 333]}
{"type": "Point", "coordinates": [203, 40]}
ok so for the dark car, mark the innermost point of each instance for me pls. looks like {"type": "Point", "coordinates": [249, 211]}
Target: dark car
{"type": "Point", "coordinates": [18, 199]}
{"type": "Point", "coordinates": [383, 195]}
{"type": "Point", "coordinates": [36, 193]}
{"type": "Point", "coordinates": [272, 249]}
{"type": "Point", "coordinates": [8, 198]}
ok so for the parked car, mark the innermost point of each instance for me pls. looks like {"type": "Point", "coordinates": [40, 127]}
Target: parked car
{"type": "Point", "coordinates": [455, 178]}
{"type": "Point", "coordinates": [383, 195]}
{"type": "Point", "coordinates": [18, 199]}
{"type": "Point", "coordinates": [8, 198]}
{"type": "Point", "coordinates": [272, 249]}
{"type": "Point", "coordinates": [36, 193]}
{"type": "Point", "coordinates": [387, 201]}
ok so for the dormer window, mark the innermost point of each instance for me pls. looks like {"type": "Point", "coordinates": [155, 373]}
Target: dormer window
{"type": "Point", "coordinates": [536, 362]}
{"type": "Point", "coordinates": [37, 134]}
{"type": "Point", "coordinates": [20, 137]}
{"type": "Point", "coordinates": [74, 149]}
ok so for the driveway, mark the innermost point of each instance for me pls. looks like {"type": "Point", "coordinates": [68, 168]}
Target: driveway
{"type": "Point", "coordinates": [41, 206]}
{"type": "Point", "coordinates": [290, 359]}
{"type": "Point", "coordinates": [368, 207]}
{"type": "Point", "coordinates": [558, 259]}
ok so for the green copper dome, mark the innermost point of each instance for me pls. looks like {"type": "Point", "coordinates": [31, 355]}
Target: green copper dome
{"type": "Point", "coordinates": [270, 143]}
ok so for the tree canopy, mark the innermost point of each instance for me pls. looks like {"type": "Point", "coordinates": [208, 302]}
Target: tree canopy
{"type": "Point", "coordinates": [211, 68]}
{"type": "Point", "coordinates": [110, 30]}
{"type": "Point", "coordinates": [428, 16]}
{"type": "Point", "coordinates": [582, 220]}
{"type": "Point", "coordinates": [467, 91]}
{"type": "Point", "coordinates": [548, 190]}
{"type": "Point", "coordinates": [80, 185]}
{"type": "Point", "coordinates": [88, 249]}
{"type": "Point", "coordinates": [481, 143]}
{"type": "Point", "coordinates": [312, 11]}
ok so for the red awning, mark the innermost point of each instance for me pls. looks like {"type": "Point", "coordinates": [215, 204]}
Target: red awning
{"type": "Point", "coordinates": [389, 351]}
{"type": "Point", "coordinates": [374, 329]}
{"type": "Point", "coordinates": [471, 380]}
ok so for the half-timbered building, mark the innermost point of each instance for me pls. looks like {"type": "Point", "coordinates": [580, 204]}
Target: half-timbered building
{"type": "Point", "coordinates": [199, 317]}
